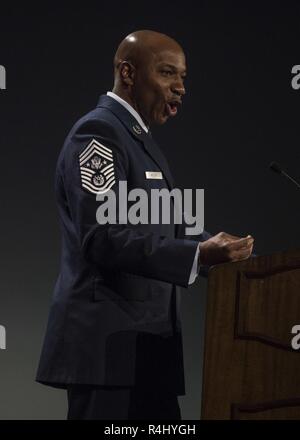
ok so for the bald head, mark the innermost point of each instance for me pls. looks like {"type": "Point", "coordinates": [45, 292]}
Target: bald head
{"type": "Point", "coordinates": [138, 46]}
{"type": "Point", "coordinates": [149, 68]}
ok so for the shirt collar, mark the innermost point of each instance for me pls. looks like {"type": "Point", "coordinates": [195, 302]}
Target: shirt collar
{"type": "Point", "coordinates": [130, 109]}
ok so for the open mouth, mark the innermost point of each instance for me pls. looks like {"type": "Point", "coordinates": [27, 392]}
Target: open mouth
{"type": "Point", "coordinates": [172, 108]}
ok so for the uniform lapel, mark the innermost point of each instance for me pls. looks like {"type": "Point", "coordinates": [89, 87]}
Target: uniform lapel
{"type": "Point", "coordinates": [157, 155]}
{"type": "Point", "coordinates": [136, 130]}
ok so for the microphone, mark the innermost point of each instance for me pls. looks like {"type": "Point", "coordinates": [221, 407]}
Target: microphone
{"type": "Point", "coordinates": [276, 168]}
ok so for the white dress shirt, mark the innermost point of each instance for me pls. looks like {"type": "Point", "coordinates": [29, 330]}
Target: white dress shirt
{"type": "Point", "coordinates": [194, 273]}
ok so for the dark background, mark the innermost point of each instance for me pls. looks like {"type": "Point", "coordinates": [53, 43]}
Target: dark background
{"type": "Point", "coordinates": [240, 112]}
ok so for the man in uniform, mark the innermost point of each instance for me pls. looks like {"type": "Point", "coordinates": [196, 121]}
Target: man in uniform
{"type": "Point", "coordinates": [114, 338]}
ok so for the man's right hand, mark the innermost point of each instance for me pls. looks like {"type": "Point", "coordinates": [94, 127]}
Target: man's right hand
{"type": "Point", "coordinates": [224, 247]}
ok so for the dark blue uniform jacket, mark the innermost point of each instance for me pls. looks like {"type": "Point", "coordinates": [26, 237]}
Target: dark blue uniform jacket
{"type": "Point", "coordinates": [114, 317]}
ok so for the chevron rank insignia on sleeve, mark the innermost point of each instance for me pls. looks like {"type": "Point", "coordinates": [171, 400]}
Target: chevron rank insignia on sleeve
{"type": "Point", "coordinates": [97, 168]}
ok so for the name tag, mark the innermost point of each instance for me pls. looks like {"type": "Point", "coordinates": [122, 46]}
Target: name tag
{"type": "Point", "coordinates": [153, 174]}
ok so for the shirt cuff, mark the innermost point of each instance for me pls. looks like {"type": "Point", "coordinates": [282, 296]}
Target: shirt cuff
{"type": "Point", "coordinates": [195, 267]}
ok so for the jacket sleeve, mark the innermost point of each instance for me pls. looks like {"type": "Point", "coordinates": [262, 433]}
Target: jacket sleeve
{"type": "Point", "coordinates": [203, 236]}
{"type": "Point", "coordinates": [116, 246]}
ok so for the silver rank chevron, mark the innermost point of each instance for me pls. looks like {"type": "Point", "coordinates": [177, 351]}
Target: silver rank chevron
{"type": "Point", "coordinates": [97, 168]}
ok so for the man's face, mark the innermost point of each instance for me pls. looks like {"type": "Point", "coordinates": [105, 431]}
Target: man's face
{"type": "Point", "coordinates": [159, 85]}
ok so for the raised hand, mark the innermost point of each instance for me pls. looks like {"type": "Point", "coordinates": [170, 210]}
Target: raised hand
{"type": "Point", "coordinates": [224, 247]}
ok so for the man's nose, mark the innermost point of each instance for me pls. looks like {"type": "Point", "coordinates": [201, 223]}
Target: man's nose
{"type": "Point", "coordinates": [178, 88]}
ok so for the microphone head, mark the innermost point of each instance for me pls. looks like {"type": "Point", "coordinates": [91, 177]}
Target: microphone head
{"type": "Point", "coordinates": [275, 167]}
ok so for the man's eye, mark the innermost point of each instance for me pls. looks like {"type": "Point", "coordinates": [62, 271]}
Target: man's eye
{"type": "Point", "coordinates": [167, 72]}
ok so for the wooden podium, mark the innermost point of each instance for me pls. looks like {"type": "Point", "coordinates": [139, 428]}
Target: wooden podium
{"type": "Point", "coordinates": [251, 370]}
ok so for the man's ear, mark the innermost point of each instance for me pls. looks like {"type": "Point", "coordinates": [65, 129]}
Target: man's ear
{"type": "Point", "coordinates": [127, 73]}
